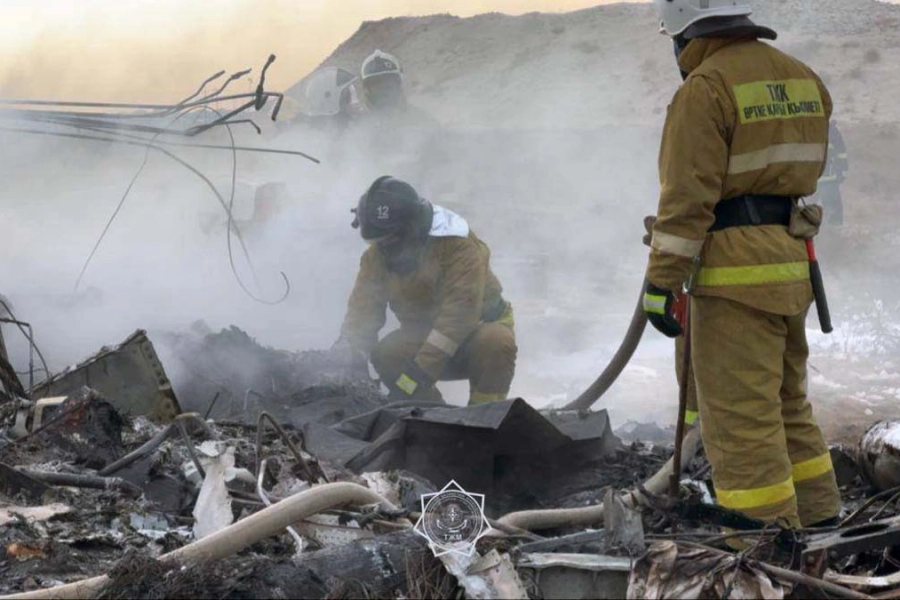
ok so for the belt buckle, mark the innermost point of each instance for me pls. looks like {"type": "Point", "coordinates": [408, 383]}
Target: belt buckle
{"type": "Point", "coordinates": [752, 211]}
{"type": "Point", "coordinates": [691, 283]}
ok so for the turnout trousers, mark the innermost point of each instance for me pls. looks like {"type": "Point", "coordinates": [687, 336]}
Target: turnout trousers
{"type": "Point", "coordinates": [487, 359]}
{"type": "Point", "coordinates": [768, 456]}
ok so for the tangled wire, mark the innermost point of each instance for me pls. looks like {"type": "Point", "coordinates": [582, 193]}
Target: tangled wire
{"type": "Point", "coordinates": [139, 125]}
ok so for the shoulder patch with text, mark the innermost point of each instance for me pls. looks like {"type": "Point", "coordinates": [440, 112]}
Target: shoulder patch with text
{"type": "Point", "coordinates": [785, 99]}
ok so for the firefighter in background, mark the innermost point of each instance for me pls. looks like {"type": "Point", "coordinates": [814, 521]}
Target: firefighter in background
{"type": "Point", "coordinates": [432, 270]}
{"type": "Point", "coordinates": [382, 83]}
{"type": "Point", "coordinates": [330, 99]}
{"type": "Point", "coordinates": [836, 167]}
{"type": "Point", "coordinates": [745, 137]}
{"type": "Point", "coordinates": [384, 96]}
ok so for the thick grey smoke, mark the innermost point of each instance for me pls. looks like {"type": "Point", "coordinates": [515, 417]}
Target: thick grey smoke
{"type": "Point", "coordinates": [546, 140]}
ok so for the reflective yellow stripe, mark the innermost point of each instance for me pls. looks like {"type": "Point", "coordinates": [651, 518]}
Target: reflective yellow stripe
{"type": "Point", "coordinates": [672, 244]}
{"type": "Point", "coordinates": [407, 384]}
{"type": "Point", "coordinates": [690, 417]}
{"type": "Point", "coordinates": [756, 497]}
{"type": "Point", "coordinates": [442, 342]}
{"type": "Point", "coordinates": [655, 304]}
{"type": "Point", "coordinates": [783, 99]}
{"type": "Point", "coordinates": [808, 469]}
{"type": "Point", "coordinates": [775, 273]}
{"type": "Point", "coordinates": [476, 397]}
{"type": "Point", "coordinates": [508, 317]}
{"type": "Point", "coordinates": [778, 153]}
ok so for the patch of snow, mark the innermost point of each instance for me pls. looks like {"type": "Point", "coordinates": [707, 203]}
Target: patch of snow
{"type": "Point", "coordinates": [641, 372]}
{"type": "Point", "coordinates": [892, 437]}
{"type": "Point", "coordinates": [820, 380]}
{"type": "Point", "coordinates": [880, 376]}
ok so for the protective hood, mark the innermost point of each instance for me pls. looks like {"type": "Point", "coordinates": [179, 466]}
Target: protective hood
{"type": "Point", "coordinates": [706, 37]}
{"type": "Point", "coordinates": [728, 27]}
{"type": "Point", "coordinates": [447, 223]}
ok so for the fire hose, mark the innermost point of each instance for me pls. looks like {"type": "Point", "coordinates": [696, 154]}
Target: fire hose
{"type": "Point", "coordinates": [657, 484]}
{"type": "Point", "coordinates": [639, 322]}
{"type": "Point", "coordinates": [612, 371]}
{"type": "Point", "coordinates": [238, 536]}
{"type": "Point", "coordinates": [278, 517]}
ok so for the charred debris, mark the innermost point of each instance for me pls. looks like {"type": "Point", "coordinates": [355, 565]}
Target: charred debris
{"type": "Point", "coordinates": [298, 478]}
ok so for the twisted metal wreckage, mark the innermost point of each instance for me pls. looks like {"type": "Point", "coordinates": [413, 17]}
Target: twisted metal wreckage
{"type": "Point", "coordinates": [142, 125]}
{"type": "Point", "coordinates": [85, 490]}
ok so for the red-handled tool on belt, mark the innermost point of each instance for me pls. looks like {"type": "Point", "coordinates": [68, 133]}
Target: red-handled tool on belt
{"type": "Point", "coordinates": [815, 278]}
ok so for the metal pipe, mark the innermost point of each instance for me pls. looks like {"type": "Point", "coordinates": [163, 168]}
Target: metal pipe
{"type": "Point", "coordinates": [148, 447]}
{"type": "Point", "coordinates": [6, 307]}
{"type": "Point", "coordinates": [813, 582]}
{"type": "Point", "coordinates": [84, 481]}
{"type": "Point", "coordinates": [261, 492]}
{"type": "Point", "coordinates": [206, 82]}
{"type": "Point", "coordinates": [298, 456]}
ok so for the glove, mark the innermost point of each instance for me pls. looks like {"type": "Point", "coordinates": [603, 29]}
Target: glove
{"type": "Point", "coordinates": [649, 222]}
{"type": "Point", "coordinates": [413, 379]}
{"type": "Point", "coordinates": [667, 311]}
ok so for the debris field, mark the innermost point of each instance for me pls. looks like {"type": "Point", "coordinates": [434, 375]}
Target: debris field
{"type": "Point", "coordinates": [307, 483]}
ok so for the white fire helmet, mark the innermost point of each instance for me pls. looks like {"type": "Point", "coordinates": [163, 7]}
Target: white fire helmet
{"type": "Point", "coordinates": [328, 91]}
{"type": "Point", "coordinates": [380, 63]}
{"type": "Point", "coordinates": [678, 15]}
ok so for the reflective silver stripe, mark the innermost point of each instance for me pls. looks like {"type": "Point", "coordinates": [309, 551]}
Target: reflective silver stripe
{"type": "Point", "coordinates": [779, 153]}
{"type": "Point", "coordinates": [672, 244]}
{"type": "Point", "coordinates": [655, 304]}
{"type": "Point", "coordinates": [442, 342]}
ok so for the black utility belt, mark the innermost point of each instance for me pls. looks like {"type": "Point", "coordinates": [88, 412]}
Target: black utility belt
{"type": "Point", "coordinates": [753, 210]}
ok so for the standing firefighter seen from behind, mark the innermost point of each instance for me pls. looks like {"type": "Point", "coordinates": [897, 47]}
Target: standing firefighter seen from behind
{"type": "Point", "coordinates": [744, 141]}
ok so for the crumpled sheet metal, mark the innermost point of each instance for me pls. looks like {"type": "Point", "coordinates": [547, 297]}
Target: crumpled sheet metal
{"type": "Point", "coordinates": [487, 577]}
{"type": "Point", "coordinates": [670, 571]}
{"type": "Point", "coordinates": [575, 576]}
{"type": "Point", "coordinates": [506, 450]}
{"type": "Point", "coordinates": [130, 375]}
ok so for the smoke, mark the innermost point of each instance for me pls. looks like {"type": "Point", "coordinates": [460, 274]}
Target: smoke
{"type": "Point", "coordinates": [548, 194]}
{"type": "Point", "coordinates": [542, 131]}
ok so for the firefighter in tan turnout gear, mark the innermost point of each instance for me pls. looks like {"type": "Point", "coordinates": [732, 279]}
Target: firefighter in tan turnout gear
{"type": "Point", "coordinates": [745, 138]}
{"type": "Point", "coordinates": [433, 271]}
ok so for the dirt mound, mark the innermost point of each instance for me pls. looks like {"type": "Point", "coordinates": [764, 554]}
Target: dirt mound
{"type": "Point", "coordinates": [604, 65]}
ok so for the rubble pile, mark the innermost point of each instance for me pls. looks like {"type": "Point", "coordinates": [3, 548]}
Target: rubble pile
{"type": "Point", "coordinates": [315, 488]}
{"type": "Point", "coordinates": [229, 375]}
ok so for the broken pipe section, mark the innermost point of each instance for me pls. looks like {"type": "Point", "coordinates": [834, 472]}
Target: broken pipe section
{"type": "Point", "coordinates": [879, 454]}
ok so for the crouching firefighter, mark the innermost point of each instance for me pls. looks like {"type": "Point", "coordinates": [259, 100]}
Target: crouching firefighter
{"type": "Point", "coordinates": [745, 138]}
{"type": "Point", "coordinates": [432, 270]}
